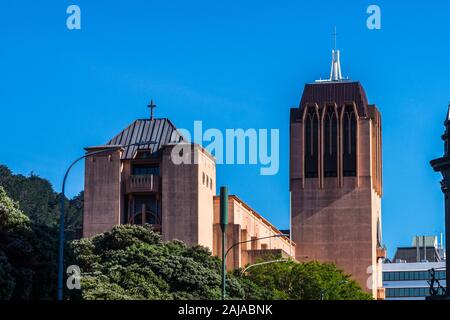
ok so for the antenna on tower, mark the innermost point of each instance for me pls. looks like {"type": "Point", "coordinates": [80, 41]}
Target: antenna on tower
{"type": "Point", "coordinates": [335, 38]}
{"type": "Point", "coordinates": [335, 73]}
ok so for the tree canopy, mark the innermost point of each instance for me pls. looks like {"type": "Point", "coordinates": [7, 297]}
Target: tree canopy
{"type": "Point", "coordinates": [27, 255]}
{"type": "Point", "coordinates": [39, 202]}
{"type": "Point", "coordinates": [132, 262]}
{"type": "Point", "coordinates": [307, 281]}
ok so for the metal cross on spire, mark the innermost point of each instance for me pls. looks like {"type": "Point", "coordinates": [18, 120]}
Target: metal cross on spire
{"type": "Point", "coordinates": [151, 106]}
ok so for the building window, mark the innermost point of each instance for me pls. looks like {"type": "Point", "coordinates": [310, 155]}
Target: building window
{"type": "Point", "coordinates": [146, 169]}
{"type": "Point", "coordinates": [203, 174]}
{"type": "Point", "coordinates": [408, 292]}
{"type": "Point", "coordinates": [146, 209]}
{"type": "Point", "coordinates": [349, 142]}
{"type": "Point", "coordinates": [254, 243]}
{"type": "Point", "coordinates": [411, 275]}
{"type": "Point", "coordinates": [330, 140]}
{"type": "Point", "coordinates": [311, 143]}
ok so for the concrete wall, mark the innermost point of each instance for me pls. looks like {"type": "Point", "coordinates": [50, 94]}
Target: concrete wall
{"type": "Point", "coordinates": [102, 193]}
{"type": "Point", "coordinates": [187, 208]}
{"type": "Point", "coordinates": [335, 219]}
{"type": "Point", "coordinates": [245, 224]}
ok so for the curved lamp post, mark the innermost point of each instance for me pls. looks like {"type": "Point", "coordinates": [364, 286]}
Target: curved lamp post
{"type": "Point", "coordinates": [262, 263]}
{"type": "Point", "coordinates": [62, 214]}
{"type": "Point", "coordinates": [236, 244]}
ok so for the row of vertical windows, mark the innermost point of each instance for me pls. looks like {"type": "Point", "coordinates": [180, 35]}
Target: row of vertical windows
{"type": "Point", "coordinates": [409, 292]}
{"type": "Point", "coordinates": [330, 143]}
{"type": "Point", "coordinates": [207, 181]}
{"type": "Point", "coordinates": [411, 275]}
{"type": "Point", "coordinates": [311, 144]}
{"type": "Point", "coordinates": [349, 143]}
{"type": "Point", "coordinates": [331, 139]}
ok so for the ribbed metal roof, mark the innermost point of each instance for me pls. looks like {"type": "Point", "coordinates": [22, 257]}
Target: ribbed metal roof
{"type": "Point", "coordinates": [161, 131]}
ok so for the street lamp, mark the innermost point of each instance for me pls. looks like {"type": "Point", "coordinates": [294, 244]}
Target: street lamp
{"type": "Point", "coordinates": [224, 256]}
{"type": "Point", "coordinates": [262, 263]}
{"type": "Point", "coordinates": [269, 262]}
{"type": "Point", "coordinates": [62, 214]}
{"type": "Point", "coordinates": [223, 227]}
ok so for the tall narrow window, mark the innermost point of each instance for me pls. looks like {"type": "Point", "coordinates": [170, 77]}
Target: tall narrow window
{"type": "Point", "coordinates": [311, 143]}
{"type": "Point", "coordinates": [349, 142]}
{"type": "Point", "coordinates": [146, 209]}
{"type": "Point", "coordinates": [330, 140]}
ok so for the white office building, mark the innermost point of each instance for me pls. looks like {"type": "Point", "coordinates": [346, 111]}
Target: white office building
{"type": "Point", "coordinates": [407, 276]}
{"type": "Point", "coordinates": [408, 281]}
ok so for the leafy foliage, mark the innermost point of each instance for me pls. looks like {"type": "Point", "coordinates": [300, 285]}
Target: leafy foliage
{"type": "Point", "coordinates": [132, 262]}
{"type": "Point", "coordinates": [41, 203]}
{"type": "Point", "coordinates": [27, 255]}
{"type": "Point", "coordinates": [307, 281]}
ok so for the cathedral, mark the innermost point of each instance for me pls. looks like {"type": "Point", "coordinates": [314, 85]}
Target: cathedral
{"type": "Point", "coordinates": [335, 186]}
{"type": "Point", "coordinates": [137, 181]}
{"type": "Point", "coordinates": [336, 178]}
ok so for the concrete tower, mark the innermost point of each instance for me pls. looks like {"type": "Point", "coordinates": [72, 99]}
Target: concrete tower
{"type": "Point", "coordinates": [336, 178]}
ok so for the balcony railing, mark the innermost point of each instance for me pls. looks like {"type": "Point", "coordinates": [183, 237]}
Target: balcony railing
{"type": "Point", "coordinates": [148, 183]}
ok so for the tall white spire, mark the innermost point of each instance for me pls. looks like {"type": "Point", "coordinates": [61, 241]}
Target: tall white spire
{"type": "Point", "coordinates": [335, 73]}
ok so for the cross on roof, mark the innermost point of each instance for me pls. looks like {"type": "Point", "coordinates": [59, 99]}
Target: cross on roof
{"type": "Point", "coordinates": [151, 106]}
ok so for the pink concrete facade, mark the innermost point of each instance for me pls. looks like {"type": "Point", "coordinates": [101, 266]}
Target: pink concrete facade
{"type": "Point", "coordinates": [338, 218]}
{"type": "Point", "coordinates": [173, 189]}
{"type": "Point", "coordinates": [102, 192]}
{"type": "Point", "coordinates": [183, 194]}
{"type": "Point", "coordinates": [244, 224]}
{"type": "Point", "coordinates": [183, 188]}
{"type": "Point", "coordinates": [187, 192]}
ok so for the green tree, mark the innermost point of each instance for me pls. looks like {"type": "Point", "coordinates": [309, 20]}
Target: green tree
{"type": "Point", "coordinates": [37, 200]}
{"type": "Point", "coordinates": [132, 262]}
{"type": "Point", "coordinates": [27, 255]}
{"type": "Point", "coordinates": [306, 281]}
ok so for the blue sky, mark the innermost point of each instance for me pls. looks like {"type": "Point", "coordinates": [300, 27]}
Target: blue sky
{"type": "Point", "coordinates": [231, 64]}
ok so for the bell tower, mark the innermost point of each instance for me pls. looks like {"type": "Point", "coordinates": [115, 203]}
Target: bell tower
{"type": "Point", "coordinates": [336, 178]}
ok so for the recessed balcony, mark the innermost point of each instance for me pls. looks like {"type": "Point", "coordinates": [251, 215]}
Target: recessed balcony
{"type": "Point", "coordinates": [147, 183]}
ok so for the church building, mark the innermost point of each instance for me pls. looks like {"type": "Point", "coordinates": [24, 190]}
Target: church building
{"type": "Point", "coordinates": [138, 181]}
{"type": "Point", "coordinates": [335, 186]}
{"type": "Point", "coordinates": [336, 178]}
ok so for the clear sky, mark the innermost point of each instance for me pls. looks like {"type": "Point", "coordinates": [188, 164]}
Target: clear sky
{"type": "Point", "coordinates": [231, 64]}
